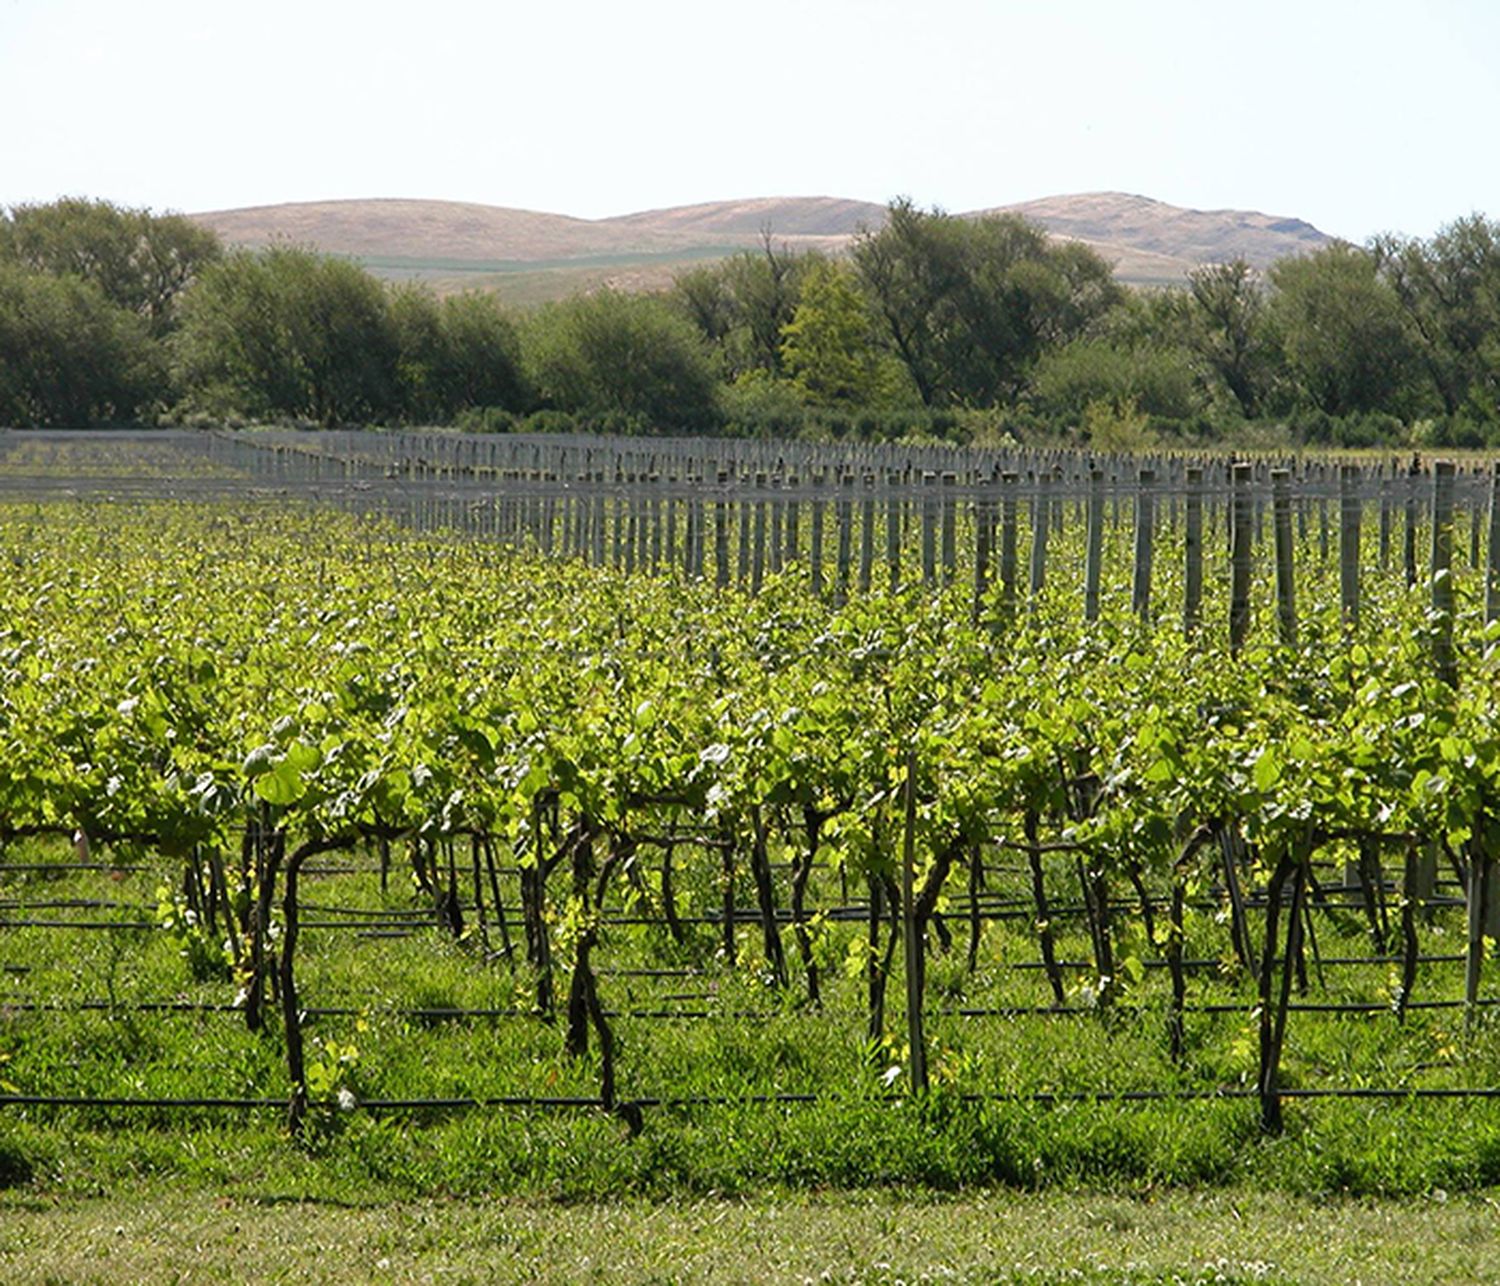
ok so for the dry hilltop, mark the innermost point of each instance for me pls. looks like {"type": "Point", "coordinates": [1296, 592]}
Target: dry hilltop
{"type": "Point", "coordinates": [529, 256]}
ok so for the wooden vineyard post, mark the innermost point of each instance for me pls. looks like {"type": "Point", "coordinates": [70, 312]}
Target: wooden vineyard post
{"type": "Point", "coordinates": [1241, 515]}
{"type": "Point", "coordinates": [1008, 482]}
{"type": "Point", "coordinates": [598, 520]}
{"type": "Point", "coordinates": [1349, 521]}
{"type": "Point", "coordinates": [778, 537]}
{"type": "Point", "coordinates": [1492, 560]}
{"type": "Point", "coordinates": [867, 534]}
{"type": "Point", "coordinates": [655, 523]}
{"type": "Point", "coordinates": [1474, 536]}
{"type": "Point", "coordinates": [911, 940]}
{"type": "Point", "coordinates": [1039, 518]}
{"type": "Point", "coordinates": [1145, 521]}
{"type": "Point", "coordinates": [1385, 523]}
{"type": "Point", "coordinates": [669, 529]}
{"type": "Point", "coordinates": [893, 531]}
{"type": "Point", "coordinates": [949, 529]}
{"type": "Point", "coordinates": [1281, 519]}
{"type": "Point", "coordinates": [758, 548]}
{"type": "Point", "coordinates": [640, 523]}
{"type": "Point", "coordinates": [629, 522]}
{"type": "Point", "coordinates": [742, 547]}
{"type": "Point", "coordinates": [573, 528]}
{"type": "Point", "coordinates": [983, 533]}
{"type": "Point", "coordinates": [721, 538]}
{"type": "Point", "coordinates": [844, 518]}
{"type": "Point", "coordinates": [1094, 549]}
{"type": "Point", "coordinates": [617, 545]}
{"type": "Point", "coordinates": [815, 552]}
{"type": "Point", "coordinates": [1444, 658]}
{"type": "Point", "coordinates": [546, 515]}
{"type": "Point", "coordinates": [1192, 545]}
{"type": "Point", "coordinates": [793, 519]}
{"type": "Point", "coordinates": [929, 530]}
{"type": "Point", "coordinates": [695, 546]}
{"type": "Point", "coordinates": [1409, 530]}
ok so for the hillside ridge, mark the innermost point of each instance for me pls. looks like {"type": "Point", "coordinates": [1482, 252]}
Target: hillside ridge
{"type": "Point", "coordinates": [532, 254]}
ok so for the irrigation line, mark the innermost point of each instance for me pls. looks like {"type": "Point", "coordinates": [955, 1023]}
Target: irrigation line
{"type": "Point", "coordinates": [583, 1103]}
{"type": "Point", "coordinates": [77, 924]}
{"type": "Point", "coordinates": [451, 1013]}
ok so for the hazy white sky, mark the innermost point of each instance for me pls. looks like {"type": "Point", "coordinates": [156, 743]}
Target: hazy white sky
{"type": "Point", "coordinates": [1359, 115]}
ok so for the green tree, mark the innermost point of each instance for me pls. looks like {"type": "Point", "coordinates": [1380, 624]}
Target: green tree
{"type": "Point", "coordinates": [453, 355]}
{"type": "Point", "coordinates": [69, 358]}
{"type": "Point", "coordinates": [969, 305]}
{"type": "Point", "coordinates": [1226, 329]}
{"type": "Point", "coordinates": [416, 322]}
{"type": "Point", "coordinates": [1155, 381]}
{"type": "Point", "coordinates": [288, 333]}
{"type": "Point", "coordinates": [831, 348]}
{"type": "Point", "coordinates": [741, 304]}
{"type": "Point", "coordinates": [140, 261]}
{"type": "Point", "coordinates": [766, 288]}
{"type": "Point", "coordinates": [482, 363]}
{"type": "Point", "coordinates": [703, 296]}
{"type": "Point", "coordinates": [1343, 338]}
{"type": "Point", "coordinates": [625, 356]}
{"type": "Point", "coordinates": [1449, 292]}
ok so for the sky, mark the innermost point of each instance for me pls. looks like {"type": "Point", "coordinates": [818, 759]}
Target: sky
{"type": "Point", "coordinates": [1361, 117]}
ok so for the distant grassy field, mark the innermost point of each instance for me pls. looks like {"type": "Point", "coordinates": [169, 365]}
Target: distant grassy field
{"type": "Point", "coordinates": [524, 283]}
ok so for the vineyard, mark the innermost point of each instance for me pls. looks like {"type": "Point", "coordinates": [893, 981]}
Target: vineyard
{"type": "Point", "coordinates": [904, 812]}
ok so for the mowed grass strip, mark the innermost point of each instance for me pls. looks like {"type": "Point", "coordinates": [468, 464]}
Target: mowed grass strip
{"type": "Point", "coordinates": [1235, 1236]}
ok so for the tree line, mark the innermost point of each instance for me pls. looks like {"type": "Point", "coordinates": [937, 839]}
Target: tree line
{"type": "Point", "coordinates": [930, 325]}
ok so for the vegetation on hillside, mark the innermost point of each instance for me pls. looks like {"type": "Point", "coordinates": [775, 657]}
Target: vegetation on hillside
{"type": "Point", "coordinates": [933, 325]}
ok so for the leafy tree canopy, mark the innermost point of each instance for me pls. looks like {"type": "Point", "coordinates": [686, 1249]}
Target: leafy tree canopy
{"type": "Point", "coordinates": [629, 357]}
{"type": "Point", "coordinates": [285, 332]}
{"type": "Point", "coordinates": [140, 261]}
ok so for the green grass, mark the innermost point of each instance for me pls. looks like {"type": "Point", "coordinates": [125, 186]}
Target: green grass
{"type": "Point", "coordinates": [527, 283]}
{"type": "Point", "coordinates": [156, 1233]}
{"type": "Point", "coordinates": [755, 1042]}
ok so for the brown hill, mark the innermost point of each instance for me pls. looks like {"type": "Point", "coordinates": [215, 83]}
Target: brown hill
{"type": "Point", "coordinates": [808, 216]}
{"type": "Point", "coordinates": [1107, 219]}
{"type": "Point", "coordinates": [427, 230]}
{"type": "Point", "coordinates": [529, 256]}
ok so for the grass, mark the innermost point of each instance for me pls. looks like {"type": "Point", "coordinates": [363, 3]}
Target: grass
{"type": "Point", "coordinates": [156, 1233]}
{"type": "Point", "coordinates": [529, 283]}
{"type": "Point", "coordinates": [749, 1041]}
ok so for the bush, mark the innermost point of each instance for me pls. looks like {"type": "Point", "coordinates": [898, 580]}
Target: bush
{"type": "Point", "coordinates": [1313, 426]}
{"type": "Point", "coordinates": [550, 422]}
{"type": "Point", "coordinates": [1158, 381]}
{"type": "Point", "coordinates": [69, 358]}
{"type": "Point", "coordinates": [622, 355]}
{"type": "Point", "coordinates": [487, 419]}
{"type": "Point", "coordinates": [1373, 429]}
{"type": "Point", "coordinates": [290, 334]}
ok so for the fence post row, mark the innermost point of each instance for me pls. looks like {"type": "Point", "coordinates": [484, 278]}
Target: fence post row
{"type": "Point", "coordinates": [754, 509]}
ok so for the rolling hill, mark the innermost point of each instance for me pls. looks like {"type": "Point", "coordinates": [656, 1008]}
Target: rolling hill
{"type": "Point", "coordinates": [528, 256]}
